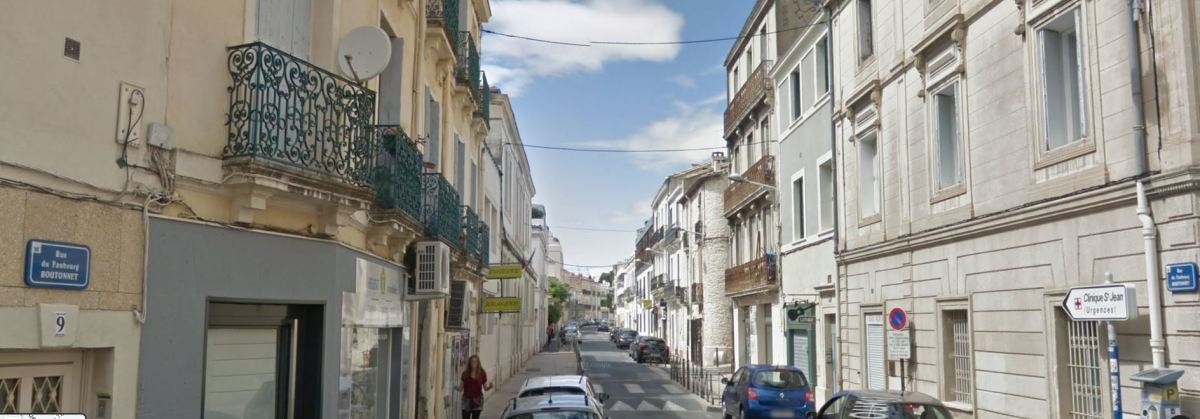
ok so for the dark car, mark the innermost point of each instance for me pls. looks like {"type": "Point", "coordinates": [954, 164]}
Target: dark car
{"type": "Point", "coordinates": [883, 405]}
{"type": "Point", "coordinates": [767, 391]}
{"type": "Point", "coordinates": [649, 349]}
{"type": "Point", "coordinates": [602, 327]}
{"type": "Point", "coordinates": [625, 338]}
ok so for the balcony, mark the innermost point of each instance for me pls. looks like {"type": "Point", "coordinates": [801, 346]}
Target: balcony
{"type": "Point", "coordinates": [442, 16]}
{"type": "Point", "coordinates": [738, 194]}
{"type": "Point", "coordinates": [751, 277]}
{"type": "Point", "coordinates": [440, 210]}
{"type": "Point", "coordinates": [288, 115]}
{"type": "Point", "coordinates": [747, 97]}
{"type": "Point", "coordinates": [397, 174]}
{"type": "Point", "coordinates": [466, 68]}
{"type": "Point", "coordinates": [475, 236]}
{"type": "Point", "coordinates": [485, 103]}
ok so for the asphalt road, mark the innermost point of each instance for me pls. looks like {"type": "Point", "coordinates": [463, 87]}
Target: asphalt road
{"type": "Point", "coordinates": [636, 390]}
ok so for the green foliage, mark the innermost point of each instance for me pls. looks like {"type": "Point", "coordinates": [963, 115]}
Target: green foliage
{"type": "Point", "coordinates": [559, 291]}
{"type": "Point", "coordinates": [607, 277]}
{"type": "Point", "coordinates": [554, 313]}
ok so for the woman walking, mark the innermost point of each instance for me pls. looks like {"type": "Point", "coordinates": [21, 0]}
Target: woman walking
{"type": "Point", "coordinates": [474, 382]}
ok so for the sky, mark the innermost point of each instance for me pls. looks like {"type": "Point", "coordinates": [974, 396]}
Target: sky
{"type": "Point", "coordinates": [610, 97]}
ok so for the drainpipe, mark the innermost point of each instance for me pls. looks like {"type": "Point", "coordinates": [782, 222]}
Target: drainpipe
{"type": "Point", "coordinates": [1149, 229]}
{"type": "Point", "coordinates": [833, 169]}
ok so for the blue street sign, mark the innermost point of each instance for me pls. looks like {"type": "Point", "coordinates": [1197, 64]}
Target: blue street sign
{"type": "Point", "coordinates": [1181, 277]}
{"type": "Point", "coordinates": [56, 265]}
{"type": "Point", "coordinates": [897, 318]}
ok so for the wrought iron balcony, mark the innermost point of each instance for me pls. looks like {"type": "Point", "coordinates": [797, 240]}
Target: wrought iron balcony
{"type": "Point", "coordinates": [737, 194]}
{"type": "Point", "coordinates": [440, 209]}
{"type": "Point", "coordinates": [466, 69]}
{"type": "Point", "coordinates": [747, 97]}
{"type": "Point", "coordinates": [444, 13]}
{"type": "Point", "coordinates": [751, 277]}
{"type": "Point", "coordinates": [287, 111]}
{"type": "Point", "coordinates": [485, 240]}
{"type": "Point", "coordinates": [485, 103]}
{"type": "Point", "coordinates": [472, 240]}
{"type": "Point", "coordinates": [397, 173]}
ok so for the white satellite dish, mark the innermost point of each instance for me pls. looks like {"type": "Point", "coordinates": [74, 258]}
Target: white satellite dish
{"type": "Point", "coordinates": [364, 52]}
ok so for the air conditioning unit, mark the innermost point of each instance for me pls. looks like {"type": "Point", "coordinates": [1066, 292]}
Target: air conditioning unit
{"type": "Point", "coordinates": [458, 312]}
{"type": "Point", "coordinates": [431, 278]}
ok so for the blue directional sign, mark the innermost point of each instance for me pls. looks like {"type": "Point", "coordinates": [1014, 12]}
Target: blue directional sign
{"type": "Point", "coordinates": [57, 265]}
{"type": "Point", "coordinates": [898, 318]}
{"type": "Point", "coordinates": [1181, 277]}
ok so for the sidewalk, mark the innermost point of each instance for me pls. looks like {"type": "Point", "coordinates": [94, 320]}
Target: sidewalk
{"type": "Point", "coordinates": [548, 362]}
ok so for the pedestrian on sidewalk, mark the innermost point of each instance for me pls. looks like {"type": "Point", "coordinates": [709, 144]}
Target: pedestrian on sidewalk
{"type": "Point", "coordinates": [549, 333]}
{"type": "Point", "coordinates": [474, 382]}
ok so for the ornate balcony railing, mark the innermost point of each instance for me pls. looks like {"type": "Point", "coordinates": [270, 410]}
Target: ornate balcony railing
{"type": "Point", "coordinates": [762, 171]}
{"type": "Point", "coordinates": [485, 246]}
{"type": "Point", "coordinates": [286, 110]}
{"type": "Point", "coordinates": [750, 277]}
{"type": "Point", "coordinates": [754, 90]}
{"type": "Point", "coordinates": [397, 173]}
{"type": "Point", "coordinates": [466, 69]}
{"type": "Point", "coordinates": [470, 228]}
{"type": "Point", "coordinates": [440, 209]}
{"type": "Point", "coordinates": [485, 103]}
{"type": "Point", "coordinates": [444, 12]}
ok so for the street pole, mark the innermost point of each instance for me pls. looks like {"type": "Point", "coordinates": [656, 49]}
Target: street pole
{"type": "Point", "coordinates": [1114, 368]}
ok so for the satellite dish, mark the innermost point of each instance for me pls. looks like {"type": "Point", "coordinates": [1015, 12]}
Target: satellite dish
{"type": "Point", "coordinates": [364, 52]}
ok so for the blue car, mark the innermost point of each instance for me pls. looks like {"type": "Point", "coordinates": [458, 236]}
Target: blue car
{"type": "Point", "coordinates": [767, 391]}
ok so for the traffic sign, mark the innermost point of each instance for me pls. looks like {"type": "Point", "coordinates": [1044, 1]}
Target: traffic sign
{"type": "Point", "coordinates": [899, 345]}
{"type": "Point", "coordinates": [1181, 277]}
{"type": "Point", "coordinates": [1101, 302]}
{"type": "Point", "coordinates": [897, 318]}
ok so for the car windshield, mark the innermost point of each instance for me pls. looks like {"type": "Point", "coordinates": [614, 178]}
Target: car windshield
{"type": "Point", "coordinates": [654, 343]}
{"type": "Point", "coordinates": [555, 415]}
{"type": "Point", "coordinates": [779, 379]}
{"type": "Point", "coordinates": [628, 333]}
{"type": "Point", "coordinates": [551, 390]}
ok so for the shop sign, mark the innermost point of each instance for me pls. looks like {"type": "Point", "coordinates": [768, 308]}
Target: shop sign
{"type": "Point", "coordinates": [57, 265]}
{"type": "Point", "coordinates": [505, 271]}
{"type": "Point", "coordinates": [378, 297]}
{"type": "Point", "coordinates": [501, 305]}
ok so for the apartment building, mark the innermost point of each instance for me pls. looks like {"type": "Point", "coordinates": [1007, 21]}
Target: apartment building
{"type": "Point", "coordinates": [704, 232]}
{"type": "Point", "coordinates": [666, 254]}
{"type": "Point", "coordinates": [805, 185]}
{"type": "Point", "coordinates": [991, 155]}
{"type": "Point", "coordinates": [279, 206]}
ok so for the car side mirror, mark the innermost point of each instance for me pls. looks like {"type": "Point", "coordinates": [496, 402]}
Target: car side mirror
{"type": "Point", "coordinates": [725, 381]}
{"type": "Point", "coordinates": [603, 397]}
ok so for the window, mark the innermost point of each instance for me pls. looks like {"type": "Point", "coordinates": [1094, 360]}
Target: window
{"type": "Point", "coordinates": [433, 130]}
{"type": "Point", "coordinates": [795, 85]}
{"type": "Point", "coordinates": [1061, 54]}
{"type": "Point", "coordinates": [1082, 368]}
{"type": "Point", "coordinates": [947, 137]}
{"type": "Point", "coordinates": [825, 186]}
{"type": "Point", "coordinates": [460, 169]}
{"type": "Point", "coordinates": [807, 63]}
{"type": "Point", "coordinates": [764, 130]}
{"type": "Point", "coordinates": [737, 81]}
{"type": "Point", "coordinates": [820, 68]}
{"type": "Point", "coordinates": [474, 184]}
{"type": "Point", "coordinates": [868, 175]}
{"type": "Point", "coordinates": [284, 24]}
{"type": "Point", "coordinates": [956, 349]}
{"type": "Point", "coordinates": [866, 42]}
{"type": "Point", "coordinates": [762, 41]}
{"type": "Point", "coordinates": [798, 208]}
{"type": "Point", "coordinates": [874, 351]}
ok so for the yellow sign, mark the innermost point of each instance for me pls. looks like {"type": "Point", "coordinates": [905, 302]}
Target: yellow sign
{"type": "Point", "coordinates": [501, 305]}
{"type": "Point", "coordinates": [1171, 394]}
{"type": "Point", "coordinates": [508, 271]}
{"type": "Point", "coordinates": [647, 303]}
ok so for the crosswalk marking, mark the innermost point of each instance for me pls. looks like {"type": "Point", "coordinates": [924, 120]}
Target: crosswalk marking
{"type": "Point", "coordinates": [634, 388]}
{"type": "Point", "coordinates": [672, 407]}
{"type": "Point", "coordinates": [646, 407]}
{"type": "Point", "coordinates": [620, 406]}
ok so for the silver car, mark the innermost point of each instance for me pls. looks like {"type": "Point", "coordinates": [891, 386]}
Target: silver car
{"type": "Point", "coordinates": [553, 406]}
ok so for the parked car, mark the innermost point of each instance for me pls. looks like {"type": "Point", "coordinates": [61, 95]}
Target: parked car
{"type": "Point", "coordinates": [570, 334]}
{"type": "Point", "coordinates": [767, 391]}
{"type": "Point", "coordinates": [883, 405]}
{"type": "Point", "coordinates": [626, 338]}
{"type": "Point", "coordinates": [562, 385]}
{"type": "Point", "coordinates": [603, 327]}
{"type": "Point", "coordinates": [649, 348]}
{"type": "Point", "coordinates": [553, 406]}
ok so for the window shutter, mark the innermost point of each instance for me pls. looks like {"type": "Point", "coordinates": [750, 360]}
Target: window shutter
{"type": "Point", "coordinates": [874, 366]}
{"type": "Point", "coordinates": [433, 130]}
{"type": "Point", "coordinates": [458, 300]}
{"type": "Point", "coordinates": [391, 81]}
{"type": "Point", "coordinates": [800, 349]}
{"type": "Point", "coordinates": [283, 24]}
{"type": "Point", "coordinates": [459, 170]}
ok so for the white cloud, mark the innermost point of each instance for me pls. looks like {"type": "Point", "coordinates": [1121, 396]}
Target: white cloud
{"type": "Point", "coordinates": [683, 80]}
{"type": "Point", "coordinates": [514, 63]}
{"type": "Point", "coordinates": [637, 212]}
{"type": "Point", "coordinates": [691, 126]}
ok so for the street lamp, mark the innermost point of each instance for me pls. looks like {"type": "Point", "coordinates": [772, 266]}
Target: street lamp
{"type": "Point", "coordinates": [740, 178]}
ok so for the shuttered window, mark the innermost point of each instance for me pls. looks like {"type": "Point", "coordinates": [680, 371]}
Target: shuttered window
{"type": "Point", "coordinates": [433, 130]}
{"type": "Point", "coordinates": [460, 171]}
{"type": "Point", "coordinates": [874, 362]}
{"type": "Point", "coordinates": [283, 24]}
{"type": "Point", "coordinates": [801, 345]}
{"type": "Point", "coordinates": [391, 92]}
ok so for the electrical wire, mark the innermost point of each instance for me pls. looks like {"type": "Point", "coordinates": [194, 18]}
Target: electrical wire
{"type": "Point", "coordinates": [630, 43]}
{"type": "Point", "coordinates": [605, 230]}
{"type": "Point", "coordinates": [626, 150]}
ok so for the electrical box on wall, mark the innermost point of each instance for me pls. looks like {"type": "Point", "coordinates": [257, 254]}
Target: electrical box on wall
{"type": "Point", "coordinates": [160, 135]}
{"type": "Point", "coordinates": [131, 105]}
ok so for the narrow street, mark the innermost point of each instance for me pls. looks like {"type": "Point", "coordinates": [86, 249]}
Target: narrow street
{"type": "Point", "coordinates": [636, 390]}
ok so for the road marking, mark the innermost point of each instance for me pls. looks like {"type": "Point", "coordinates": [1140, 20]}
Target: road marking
{"type": "Point", "coordinates": [672, 407]}
{"type": "Point", "coordinates": [647, 407]}
{"type": "Point", "coordinates": [600, 375]}
{"type": "Point", "coordinates": [620, 406]}
{"type": "Point", "coordinates": [634, 388]}
{"type": "Point", "coordinates": [675, 388]}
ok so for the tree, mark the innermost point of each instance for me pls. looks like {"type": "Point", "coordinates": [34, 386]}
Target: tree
{"type": "Point", "coordinates": [559, 291]}
{"type": "Point", "coordinates": [607, 277]}
{"type": "Point", "coordinates": [554, 313]}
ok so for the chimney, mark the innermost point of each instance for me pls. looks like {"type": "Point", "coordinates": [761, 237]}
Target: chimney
{"type": "Point", "coordinates": [718, 161]}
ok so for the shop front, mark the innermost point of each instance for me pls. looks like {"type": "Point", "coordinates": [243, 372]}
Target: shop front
{"type": "Point", "coordinates": [248, 324]}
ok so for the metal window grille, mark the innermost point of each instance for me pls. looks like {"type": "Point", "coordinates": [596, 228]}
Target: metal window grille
{"type": "Point", "coordinates": [1085, 370]}
{"type": "Point", "coordinates": [9, 391]}
{"type": "Point", "coordinates": [47, 394]}
{"type": "Point", "coordinates": [960, 355]}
